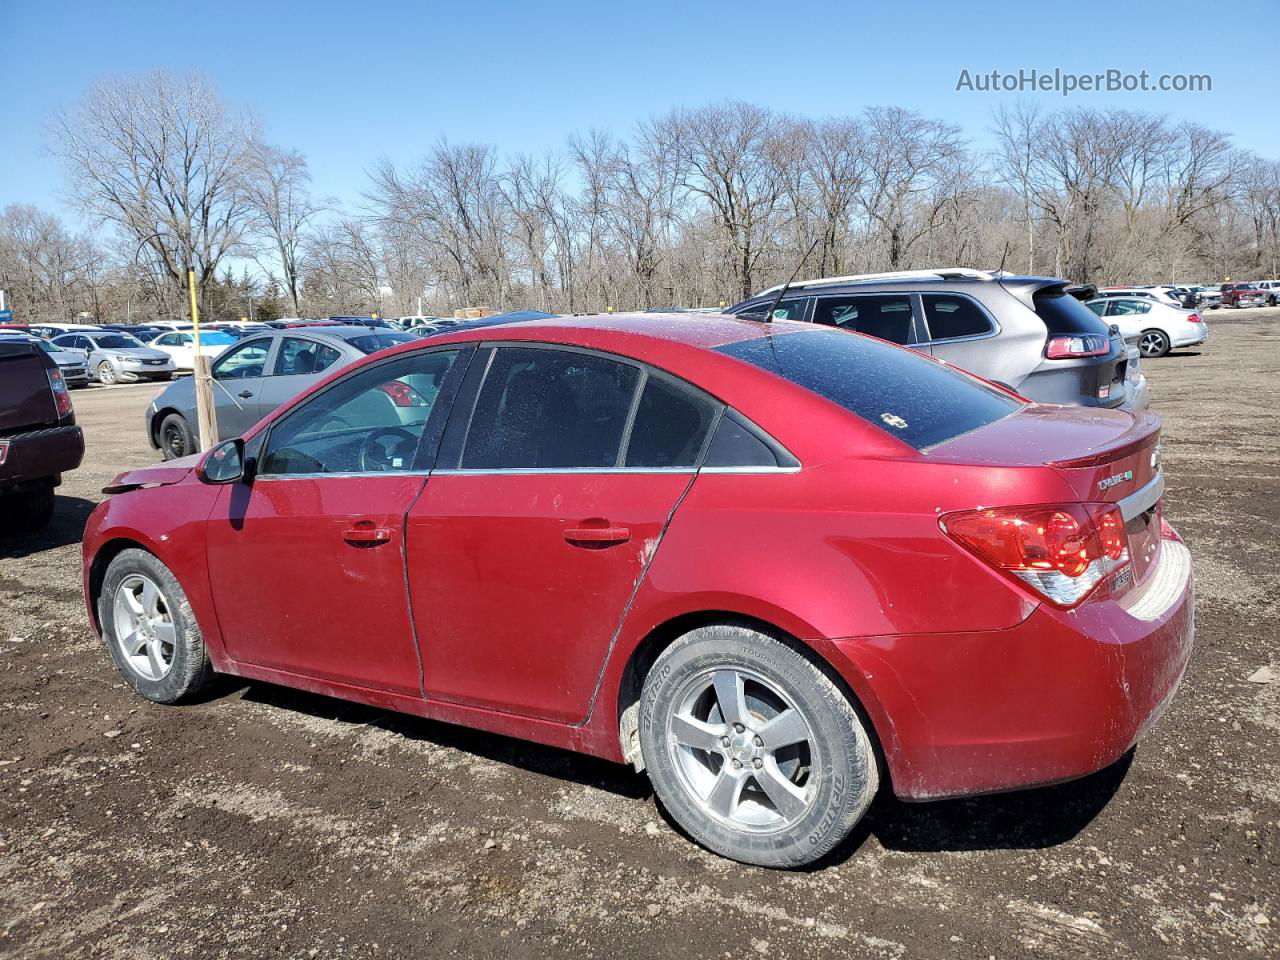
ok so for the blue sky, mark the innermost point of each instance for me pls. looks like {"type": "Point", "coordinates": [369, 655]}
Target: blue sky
{"type": "Point", "coordinates": [346, 83]}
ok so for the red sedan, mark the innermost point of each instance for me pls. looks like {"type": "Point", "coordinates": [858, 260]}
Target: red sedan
{"type": "Point", "coordinates": [769, 564]}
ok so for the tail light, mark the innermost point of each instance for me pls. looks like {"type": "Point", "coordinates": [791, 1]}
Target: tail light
{"type": "Point", "coordinates": [402, 395]}
{"type": "Point", "coordinates": [61, 395]}
{"type": "Point", "coordinates": [1061, 552]}
{"type": "Point", "coordinates": [1194, 318]}
{"type": "Point", "coordinates": [1080, 345]}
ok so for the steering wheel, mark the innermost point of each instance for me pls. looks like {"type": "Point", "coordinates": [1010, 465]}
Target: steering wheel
{"type": "Point", "coordinates": [384, 446]}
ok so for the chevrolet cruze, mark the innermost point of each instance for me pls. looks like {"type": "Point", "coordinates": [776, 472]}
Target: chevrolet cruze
{"type": "Point", "coordinates": [774, 566]}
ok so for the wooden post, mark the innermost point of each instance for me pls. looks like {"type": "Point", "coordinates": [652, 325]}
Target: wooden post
{"type": "Point", "coordinates": [208, 422]}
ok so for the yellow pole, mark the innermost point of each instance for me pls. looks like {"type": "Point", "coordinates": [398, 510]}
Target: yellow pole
{"type": "Point", "coordinates": [208, 423]}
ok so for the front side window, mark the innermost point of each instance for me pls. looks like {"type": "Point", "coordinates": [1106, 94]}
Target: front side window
{"type": "Point", "coordinates": [298, 357]}
{"type": "Point", "coordinates": [949, 316]}
{"type": "Point", "coordinates": [542, 409]}
{"type": "Point", "coordinates": [243, 361]}
{"type": "Point", "coordinates": [887, 316]}
{"type": "Point", "coordinates": [371, 422]}
{"type": "Point", "coordinates": [1098, 307]}
{"type": "Point", "coordinates": [919, 401]}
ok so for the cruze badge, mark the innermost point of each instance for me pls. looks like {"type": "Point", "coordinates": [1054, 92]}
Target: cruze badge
{"type": "Point", "coordinates": [1106, 483]}
{"type": "Point", "coordinates": [893, 420]}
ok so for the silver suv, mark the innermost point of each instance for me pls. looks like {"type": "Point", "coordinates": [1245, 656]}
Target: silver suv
{"type": "Point", "coordinates": [1029, 333]}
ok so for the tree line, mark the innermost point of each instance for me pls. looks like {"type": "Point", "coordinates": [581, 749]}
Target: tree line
{"type": "Point", "coordinates": [693, 207]}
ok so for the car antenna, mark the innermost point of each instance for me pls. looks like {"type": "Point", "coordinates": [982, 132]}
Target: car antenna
{"type": "Point", "coordinates": [1000, 273]}
{"type": "Point", "coordinates": [768, 316]}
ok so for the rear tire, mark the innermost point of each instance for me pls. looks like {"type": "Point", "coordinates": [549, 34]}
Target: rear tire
{"type": "Point", "coordinates": [26, 512]}
{"type": "Point", "coordinates": [1153, 343]}
{"type": "Point", "coordinates": [779, 786]}
{"type": "Point", "coordinates": [176, 438]}
{"type": "Point", "coordinates": [150, 629]}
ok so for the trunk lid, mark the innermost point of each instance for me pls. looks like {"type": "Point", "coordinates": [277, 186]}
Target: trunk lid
{"type": "Point", "coordinates": [1105, 456]}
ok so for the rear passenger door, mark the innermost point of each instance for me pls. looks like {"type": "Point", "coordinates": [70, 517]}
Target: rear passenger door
{"type": "Point", "coordinates": [557, 477]}
{"type": "Point", "coordinates": [299, 362]}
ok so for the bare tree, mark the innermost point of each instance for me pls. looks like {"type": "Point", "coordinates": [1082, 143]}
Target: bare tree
{"type": "Point", "coordinates": [162, 159]}
{"type": "Point", "coordinates": [280, 208]}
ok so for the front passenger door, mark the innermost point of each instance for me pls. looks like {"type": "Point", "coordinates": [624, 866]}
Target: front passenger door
{"type": "Point", "coordinates": [237, 380]}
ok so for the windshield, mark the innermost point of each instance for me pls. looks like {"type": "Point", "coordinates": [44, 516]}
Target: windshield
{"type": "Point", "coordinates": [374, 342]}
{"type": "Point", "coordinates": [116, 341]}
{"type": "Point", "coordinates": [917, 400]}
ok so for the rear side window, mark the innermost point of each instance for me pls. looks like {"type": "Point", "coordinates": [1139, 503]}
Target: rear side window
{"type": "Point", "coordinates": [738, 445]}
{"type": "Point", "coordinates": [1063, 313]}
{"type": "Point", "coordinates": [298, 357]}
{"type": "Point", "coordinates": [949, 316]}
{"type": "Point", "coordinates": [549, 409]}
{"type": "Point", "coordinates": [885, 316]}
{"type": "Point", "coordinates": [670, 426]}
{"type": "Point", "coordinates": [917, 400]}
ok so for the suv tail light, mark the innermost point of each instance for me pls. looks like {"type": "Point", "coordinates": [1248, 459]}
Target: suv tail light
{"type": "Point", "coordinates": [61, 396]}
{"type": "Point", "coordinates": [1080, 345]}
{"type": "Point", "coordinates": [1061, 552]}
{"type": "Point", "coordinates": [1194, 318]}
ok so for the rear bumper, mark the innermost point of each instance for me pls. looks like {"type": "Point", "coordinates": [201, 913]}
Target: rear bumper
{"type": "Point", "coordinates": [36, 456]}
{"type": "Point", "coordinates": [1191, 338]}
{"type": "Point", "coordinates": [1059, 696]}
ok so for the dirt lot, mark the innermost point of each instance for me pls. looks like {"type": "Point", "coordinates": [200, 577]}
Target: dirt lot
{"type": "Point", "coordinates": [267, 822]}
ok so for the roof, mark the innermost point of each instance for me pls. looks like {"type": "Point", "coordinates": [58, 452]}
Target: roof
{"type": "Point", "coordinates": [703, 330]}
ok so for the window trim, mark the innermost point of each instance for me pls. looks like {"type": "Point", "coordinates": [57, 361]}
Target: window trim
{"type": "Point", "coordinates": [924, 318]}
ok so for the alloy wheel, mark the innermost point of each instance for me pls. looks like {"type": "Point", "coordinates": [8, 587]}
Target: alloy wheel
{"type": "Point", "coordinates": [144, 628]}
{"type": "Point", "coordinates": [106, 373]}
{"type": "Point", "coordinates": [744, 753]}
{"type": "Point", "coordinates": [1152, 344]}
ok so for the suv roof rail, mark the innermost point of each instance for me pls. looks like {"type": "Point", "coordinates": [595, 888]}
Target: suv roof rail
{"type": "Point", "coordinates": [941, 273]}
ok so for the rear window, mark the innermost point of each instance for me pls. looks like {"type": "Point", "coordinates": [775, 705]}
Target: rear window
{"type": "Point", "coordinates": [1063, 313]}
{"type": "Point", "coordinates": [920, 402]}
{"type": "Point", "coordinates": [379, 341]}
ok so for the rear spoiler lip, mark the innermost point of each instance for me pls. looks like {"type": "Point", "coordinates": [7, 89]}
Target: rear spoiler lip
{"type": "Point", "coordinates": [1125, 445]}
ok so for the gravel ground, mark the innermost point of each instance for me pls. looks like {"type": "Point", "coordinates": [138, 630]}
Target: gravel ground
{"type": "Point", "coordinates": [267, 822]}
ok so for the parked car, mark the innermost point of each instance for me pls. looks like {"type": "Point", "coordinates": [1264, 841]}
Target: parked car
{"type": "Point", "coordinates": [1271, 290]}
{"type": "Point", "coordinates": [1243, 295]}
{"type": "Point", "coordinates": [256, 375]}
{"type": "Point", "coordinates": [39, 439]}
{"type": "Point", "coordinates": [180, 346]}
{"type": "Point", "coordinates": [364, 321]}
{"type": "Point", "coordinates": [1158, 327]}
{"type": "Point", "coordinates": [810, 556]}
{"type": "Point", "coordinates": [1210, 296]}
{"type": "Point", "coordinates": [117, 357]}
{"type": "Point", "coordinates": [71, 363]}
{"type": "Point", "coordinates": [50, 330]}
{"type": "Point", "coordinates": [1027, 333]}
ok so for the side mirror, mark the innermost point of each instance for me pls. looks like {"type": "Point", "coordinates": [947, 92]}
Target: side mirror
{"type": "Point", "coordinates": [224, 464]}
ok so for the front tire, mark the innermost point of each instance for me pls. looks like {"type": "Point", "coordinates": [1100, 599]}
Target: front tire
{"type": "Point", "coordinates": [1153, 343]}
{"type": "Point", "coordinates": [106, 373]}
{"type": "Point", "coordinates": [752, 749]}
{"type": "Point", "coordinates": [150, 629]}
{"type": "Point", "coordinates": [176, 438]}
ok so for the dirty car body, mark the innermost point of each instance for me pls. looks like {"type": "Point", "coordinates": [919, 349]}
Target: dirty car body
{"type": "Point", "coordinates": [987, 583]}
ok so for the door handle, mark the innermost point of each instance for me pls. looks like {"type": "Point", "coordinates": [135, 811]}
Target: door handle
{"type": "Point", "coordinates": [366, 532]}
{"type": "Point", "coordinates": [597, 536]}
{"type": "Point", "coordinates": [245, 394]}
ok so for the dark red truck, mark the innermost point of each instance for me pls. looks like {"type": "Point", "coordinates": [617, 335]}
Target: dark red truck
{"type": "Point", "coordinates": [39, 439]}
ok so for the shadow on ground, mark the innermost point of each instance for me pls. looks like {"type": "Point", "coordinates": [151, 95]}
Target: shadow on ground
{"type": "Point", "coordinates": [67, 526]}
{"type": "Point", "coordinates": [1028, 819]}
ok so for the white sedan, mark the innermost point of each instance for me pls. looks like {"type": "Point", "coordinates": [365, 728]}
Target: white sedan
{"type": "Point", "coordinates": [1156, 327]}
{"type": "Point", "coordinates": [181, 346]}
